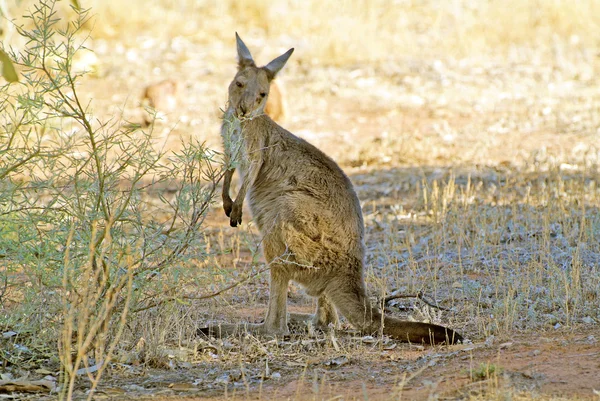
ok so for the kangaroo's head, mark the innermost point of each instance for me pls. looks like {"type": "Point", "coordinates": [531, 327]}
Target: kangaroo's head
{"type": "Point", "coordinates": [249, 89]}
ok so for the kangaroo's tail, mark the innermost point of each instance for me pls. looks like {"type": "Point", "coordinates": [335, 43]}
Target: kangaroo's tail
{"type": "Point", "coordinates": [349, 296]}
{"type": "Point", "coordinates": [418, 332]}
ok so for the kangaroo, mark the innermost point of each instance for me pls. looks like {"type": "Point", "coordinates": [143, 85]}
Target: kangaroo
{"type": "Point", "coordinates": [308, 215]}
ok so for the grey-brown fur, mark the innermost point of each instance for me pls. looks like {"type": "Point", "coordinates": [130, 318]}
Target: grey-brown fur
{"type": "Point", "coordinates": [307, 212]}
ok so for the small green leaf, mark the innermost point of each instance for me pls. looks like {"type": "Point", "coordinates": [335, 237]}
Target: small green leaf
{"type": "Point", "coordinates": [181, 301]}
{"type": "Point", "coordinates": [76, 4]}
{"type": "Point", "coordinates": [8, 69]}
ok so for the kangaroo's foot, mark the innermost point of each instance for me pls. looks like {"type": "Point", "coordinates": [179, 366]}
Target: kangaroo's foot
{"type": "Point", "coordinates": [324, 316]}
{"type": "Point", "coordinates": [301, 321]}
{"type": "Point", "coordinates": [304, 319]}
{"type": "Point", "coordinates": [224, 330]}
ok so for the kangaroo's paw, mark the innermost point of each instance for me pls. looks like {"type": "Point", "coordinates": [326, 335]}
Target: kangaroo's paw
{"type": "Point", "coordinates": [227, 206]}
{"type": "Point", "coordinates": [235, 216]}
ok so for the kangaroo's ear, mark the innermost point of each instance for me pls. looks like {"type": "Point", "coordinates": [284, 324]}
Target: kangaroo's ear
{"type": "Point", "coordinates": [244, 56]}
{"type": "Point", "coordinates": [276, 65]}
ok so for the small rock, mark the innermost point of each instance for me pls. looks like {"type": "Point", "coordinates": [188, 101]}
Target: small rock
{"type": "Point", "coordinates": [161, 96]}
{"type": "Point", "coordinates": [224, 379]}
{"type": "Point", "coordinates": [276, 106]}
{"type": "Point", "coordinates": [390, 346]}
{"type": "Point", "coordinates": [339, 361]}
{"type": "Point", "coordinates": [22, 348]}
{"type": "Point", "coordinates": [368, 339]}
{"type": "Point", "coordinates": [588, 320]}
{"type": "Point", "coordinates": [133, 388]}
{"type": "Point", "coordinates": [182, 387]}
{"type": "Point", "coordinates": [43, 371]}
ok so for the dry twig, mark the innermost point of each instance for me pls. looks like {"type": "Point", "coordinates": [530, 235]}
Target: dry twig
{"type": "Point", "coordinates": [420, 295]}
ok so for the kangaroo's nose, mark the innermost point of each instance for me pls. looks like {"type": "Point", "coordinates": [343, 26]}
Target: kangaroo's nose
{"type": "Point", "coordinates": [242, 109]}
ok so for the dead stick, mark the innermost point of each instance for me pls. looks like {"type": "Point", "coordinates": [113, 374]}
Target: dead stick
{"type": "Point", "coordinates": [212, 295]}
{"type": "Point", "coordinates": [420, 296]}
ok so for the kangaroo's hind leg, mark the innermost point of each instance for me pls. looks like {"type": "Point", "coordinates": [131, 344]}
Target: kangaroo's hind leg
{"type": "Point", "coordinates": [277, 256]}
{"type": "Point", "coordinates": [325, 314]}
{"type": "Point", "coordinates": [347, 292]}
{"type": "Point", "coordinates": [349, 295]}
{"type": "Point", "coordinates": [276, 318]}
{"type": "Point", "coordinates": [275, 322]}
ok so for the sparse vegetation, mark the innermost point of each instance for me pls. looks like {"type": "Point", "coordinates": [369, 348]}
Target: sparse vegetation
{"type": "Point", "coordinates": [485, 371]}
{"type": "Point", "coordinates": [469, 129]}
{"type": "Point", "coordinates": [79, 249]}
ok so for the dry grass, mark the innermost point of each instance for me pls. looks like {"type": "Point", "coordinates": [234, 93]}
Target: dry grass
{"type": "Point", "coordinates": [334, 32]}
{"type": "Point", "coordinates": [339, 33]}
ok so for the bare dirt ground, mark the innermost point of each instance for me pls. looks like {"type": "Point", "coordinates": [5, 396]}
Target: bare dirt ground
{"type": "Point", "coordinates": [496, 131]}
{"type": "Point", "coordinates": [549, 364]}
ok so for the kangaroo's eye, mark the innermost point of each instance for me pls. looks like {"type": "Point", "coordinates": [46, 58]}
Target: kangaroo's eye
{"type": "Point", "coordinates": [263, 94]}
{"type": "Point", "coordinates": [239, 84]}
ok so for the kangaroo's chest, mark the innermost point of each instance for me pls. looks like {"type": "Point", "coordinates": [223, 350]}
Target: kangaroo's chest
{"type": "Point", "coordinates": [233, 141]}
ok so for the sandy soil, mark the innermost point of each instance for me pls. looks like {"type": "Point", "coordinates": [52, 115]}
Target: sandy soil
{"type": "Point", "coordinates": [549, 364]}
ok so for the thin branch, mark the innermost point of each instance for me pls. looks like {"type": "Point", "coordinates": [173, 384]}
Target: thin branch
{"type": "Point", "coordinates": [420, 295]}
{"type": "Point", "coordinates": [18, 164]}
{"type": "Point", "coordinates": [5, 287]}
{"type": "Point", "coordinates": [212, 295]}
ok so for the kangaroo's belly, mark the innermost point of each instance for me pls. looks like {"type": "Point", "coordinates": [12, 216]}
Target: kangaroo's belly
{"type": "Point", "coordinates": [313, 229]}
